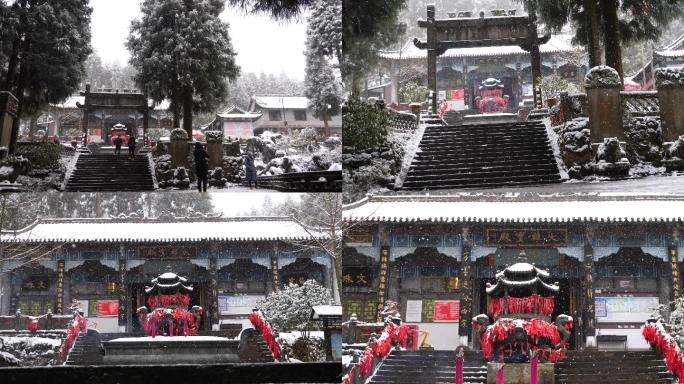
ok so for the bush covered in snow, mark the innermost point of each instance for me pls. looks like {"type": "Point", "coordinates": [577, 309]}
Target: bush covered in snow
{"type": "Point", "coordinates": [307, 349]}
{"type": "Point", "coordinates": [28, 350]}
{"type": "Point", "coordinates": [42, 155]}
{"type": "Point", "coordinates": [644, 140]}
{"type": "Point", "coordinates": [370, 169]}
{"type": "Point", "coordinates": [364, 126]}
{"type": "Point", "coordinates": [289, 309]}
{"type": "Point", "coordinates": [299, 152]}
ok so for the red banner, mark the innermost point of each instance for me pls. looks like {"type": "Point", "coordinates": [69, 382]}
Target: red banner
{"type": "Point", "coordinates": [457, 94]}
{"type": "Point", "coordinates": [107, 308]}
{"type": "Point", "coordinates": [447, 310]}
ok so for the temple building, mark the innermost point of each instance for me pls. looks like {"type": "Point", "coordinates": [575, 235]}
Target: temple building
{"type": "Point", "coordinates": [105, 265]}
{"type": "Point", "coordinates": [670, 56]}
{"type": "Point", "coordinates": [277, 114]}
{"type": "Point", "coordinates": [97, 112]}
{"type": "Point", "coordinates": [613, 258]}
{"type": "Point", "coordinates": [460, 71]}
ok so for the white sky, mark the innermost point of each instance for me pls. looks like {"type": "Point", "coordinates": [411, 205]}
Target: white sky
{"type": "Point", "coordinates": [262, 44]}
{"type": "Point", "coordinates": [232, 204]}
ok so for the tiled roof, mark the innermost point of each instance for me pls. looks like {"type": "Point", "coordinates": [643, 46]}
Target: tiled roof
{"type": "Point", "coordinates": [515, 208]}
{"type": "Point", "coordinates": [163, 230]}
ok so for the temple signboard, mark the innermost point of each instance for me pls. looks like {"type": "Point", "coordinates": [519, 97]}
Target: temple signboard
{"type": "Point", "coordinates": [357, 276]}
{"type": "Point", "coordinates": [521, 238]}
{"type": "Point", "coordinates": [167, 252]}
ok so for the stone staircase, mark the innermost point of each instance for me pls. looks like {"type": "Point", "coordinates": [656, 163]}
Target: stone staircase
{"type": "Point", "coordinates": [483, 156]}
{"type": "Point", "coordinates": [104, 172]}
{"type": "Point", "coordinates": [86, 349]}
{"type": "Point", "coordinates": [253, 348]}
{"type": "Point", "coordinates": [622, 367]}
{"type": "Point", "coordinates": [430, 367]}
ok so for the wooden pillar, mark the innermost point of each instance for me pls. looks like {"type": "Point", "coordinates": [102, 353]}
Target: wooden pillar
{"type": "Point", "coordinates": [60, 287]}
{"type": "Point", "coordinates": [384, 275]}
{"type": "Point", "coordinates": [466, 85]}
{"type": "Point", "coordinates": [275, 271]}
{"type": "Point", "coordinates": [146, 127]}
{"type": "Point", "coordinates": [672, 253]}
{"type": "Point", "coordinates": [588, 315]}
{"type": "Point", "coordinates": [535, 56]}
{"type": "Point", "coordinates": [464, 328]}
{"type": "Point", "coordinates": [213, 293]}
{"type": "Point", "coordinates": [432, 78]}
{"type": "Point", "coordinates": [84, 126]}
{"type": "Point", "coordinates": [122, 290]}
{"type": "Point", "coordinates": [432, 57]}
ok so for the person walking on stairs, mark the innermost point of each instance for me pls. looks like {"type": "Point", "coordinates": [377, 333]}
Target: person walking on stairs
{"type": "Point", "coordinates": [201, 167]}
{"type": "Point", "coordinates": [118, 142]}
{"type": "Point", "coordinates": [131, 148]}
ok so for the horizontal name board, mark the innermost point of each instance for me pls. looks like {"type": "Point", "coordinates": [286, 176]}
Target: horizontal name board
{"type": "Point", "coordinates": [527, 237]}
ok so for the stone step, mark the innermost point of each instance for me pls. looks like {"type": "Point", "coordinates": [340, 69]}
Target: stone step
{"type": "Point", "coordinates": [483, 180]}
{"type": "Point", "coordinates": [484, 173]}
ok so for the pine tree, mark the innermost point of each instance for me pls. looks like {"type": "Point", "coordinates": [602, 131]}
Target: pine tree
{"type": "Point", "coordinates": [368, 27]}
{"type": "Point", "coordinates": [279, 9]}
{"type": "Point", "coordinates": [45, 52]}
{"type": "Point", "coordinates": [324, 41]}
{"type": "Point", "coordinates": [182, 52]}
{"type": "Point", "coordinates": [289, 309]}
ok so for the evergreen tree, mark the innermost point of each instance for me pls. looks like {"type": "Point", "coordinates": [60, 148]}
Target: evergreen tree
{"type": "Point", "coordinates": [622, 22]}
{"type": "Point", "coordinates": [324, 35]}
{"type": "Point", "coordinates": [45, 52]}
{"type": "Point", "coordinates": [279, 9]}
{"type": "Point", "coordinates": [182, 52]}
{"type": "Point", "coordinates": [369, 26]}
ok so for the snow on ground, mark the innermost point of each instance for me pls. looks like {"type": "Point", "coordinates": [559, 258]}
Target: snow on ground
{"type": "Point", "coordinates": [165, 339]}
{"type": "Point", "coordinates": [290, 337]}
{"type": "Point", "coordinates": [553, 138]}
{"type": "Point", "coordinates": [660, 184]}
{"type": "Point", "coordinates": [411, 143]}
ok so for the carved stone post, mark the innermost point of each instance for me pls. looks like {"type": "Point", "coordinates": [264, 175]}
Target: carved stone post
{"type": "Point", "coordinates": [432, 57]}
{"type": "Point", "coordinates": [603, 87]}
{"type": "Point", "coordinates": [179, 148]}
{"type": "Point", "coordinates": [466, 303]}
{"type": "Point", "coordinates": [670, 85]}
{"type": "Point", "coordinates": [215, 148]}
{"type": "Point", "coordinates": [588, 315]}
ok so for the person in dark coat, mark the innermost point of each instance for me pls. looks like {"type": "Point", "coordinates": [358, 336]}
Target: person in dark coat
{"type": "Point", "coordinates": [118, 142]}
{"type": "Point", "coordinates": [131, 147]}
{"type": "Point", "coordinates": [250, 170]}
{"type": "Point", "coordinates": [201, 167]}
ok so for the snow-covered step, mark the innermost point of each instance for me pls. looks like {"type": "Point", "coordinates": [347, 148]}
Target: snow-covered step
{"type": "Point", "coordinates": [483, 156]}
{"type": "Point", "coordinates": [98, 173]}
{"type": "Point", "coordinates": [429, 367]}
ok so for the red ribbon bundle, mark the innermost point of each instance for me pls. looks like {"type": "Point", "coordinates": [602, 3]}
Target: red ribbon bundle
{"type": "Point", "coordinates": [32, 324]}
{"type": "Point", "coordinates": [402, 335]}
{"type": "Point", "coordinates": [177, 298]}
{"type": "Point", "coordinates": [536, 330]}
{"type": "Point", "coordinates": [655, 334]}
{"type": "Point", "coordinates": [545, 305]}
{"type": "Point", "coordinates": [349, 377]}
{"type": "Point", "coordinates": [75, 327]}
{"type": "Point", "coordinates": [264, 327]}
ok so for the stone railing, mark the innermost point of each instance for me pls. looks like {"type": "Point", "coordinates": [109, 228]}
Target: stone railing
{"type": "Point", "coordinates": [46, 322]}
{"type": "Point", "coordinates": [403, 122]}
{"type": "Point", "coordinates": [639, 103]}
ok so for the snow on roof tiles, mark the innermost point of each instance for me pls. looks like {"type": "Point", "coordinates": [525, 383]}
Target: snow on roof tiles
{"type": "Point", "coordinates": [511, 208]}
{"type": "Point", "coordinates": [557, 44]}
{"type": "Point", "coordinates": [153, 230]}
{"type": "Point", "coordinates": [280, 102]}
